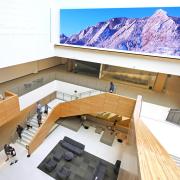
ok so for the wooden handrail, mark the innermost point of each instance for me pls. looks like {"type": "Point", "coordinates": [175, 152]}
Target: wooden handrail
{"type": "Point", "coordinates": [153, 160]}
{"type": "Point", "coordinates": [98, 103]}
{"type": "Point", "coordinates": [8, 93]}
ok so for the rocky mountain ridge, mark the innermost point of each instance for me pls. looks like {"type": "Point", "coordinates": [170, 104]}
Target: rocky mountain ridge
{"type": "Point", "coordinates": [159, 34]}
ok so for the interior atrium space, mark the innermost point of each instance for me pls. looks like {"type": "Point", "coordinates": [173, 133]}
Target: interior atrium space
{"type": "Point", "coordinates": [89, 90]}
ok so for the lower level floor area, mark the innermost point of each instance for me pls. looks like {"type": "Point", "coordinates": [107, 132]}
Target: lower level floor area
{"type": "Point", "coordinates": [152, 114]}
{"type": "Point", "coordinates": [27, 167]}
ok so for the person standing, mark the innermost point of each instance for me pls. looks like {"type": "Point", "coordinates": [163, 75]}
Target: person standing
{"type": "Point", "coordinates": [75, 67]}
{"type": "Point", "coordinates": [7, 151]}
{"type": "Point", "coordinates": [112, 87]}
{"type": "Point", "coordinates": [38, 110]}
{"type": "Point", "coordinates": [39, 118]}
{"type": "Point", "coordinates": [46, 107]}
{"type": "Point", "coordinates": [76, 94]}
{"type": "Point", "coordinates": [19, 130]}
{"type": "Point", "coordinates": [10, 153]}
{"type": "Point", "coordinates": [13, 156]}
{"type": "Point", "coordinates": [1, 97]}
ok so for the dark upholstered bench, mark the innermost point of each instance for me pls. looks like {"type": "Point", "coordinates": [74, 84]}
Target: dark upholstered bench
{"type": "Point", "coordinates": [57, 156]}
{"type": "Point", "coordinates": [99, 172]}
{"type": "Point", "coordinates": [50, 164]}
{"type": "Point", "coordinates": [117, 166]}
{"type": "Point", "coordinates": [72, 145]}
{"type": "Point", "coordinates": [63, 173]}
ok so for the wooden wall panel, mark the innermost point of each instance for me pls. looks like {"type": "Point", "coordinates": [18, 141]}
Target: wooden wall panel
{"type": "Point", "coordinates": [8, 130]}
{"type": "Point", "coordinates": [160, 82]}
{"type": "Point", "coordinates": [16, 71]}
{"type": "Point", "coordinates": [9, 108]}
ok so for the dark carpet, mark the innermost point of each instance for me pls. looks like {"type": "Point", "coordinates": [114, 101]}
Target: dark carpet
{"type": "Point", "coordinates": [81, 167]}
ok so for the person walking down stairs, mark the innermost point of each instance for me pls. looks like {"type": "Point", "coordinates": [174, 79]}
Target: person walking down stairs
{"type": "Point", "coordinates": [39, 118]}
{"type": "Point", "coordinates": [19, 130]}
{"type": "Point", "coordinates": [39, 108]}
{"type": "Point", "coordinates": [46, 108]}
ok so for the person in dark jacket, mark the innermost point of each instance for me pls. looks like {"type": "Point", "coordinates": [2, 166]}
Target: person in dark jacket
{"type": "Point", "coordinates": [46, 108]}
{"type": "Point", "coordinates": [10, 153]}
{"type": "Point", "coordinates": [112, 87]}
{"type": "Point", "coordinates": [39, 118]}
{"type": "Point", "coordinates": [19, 130]}
{"type": "Point", "coordinates": [7, 151]}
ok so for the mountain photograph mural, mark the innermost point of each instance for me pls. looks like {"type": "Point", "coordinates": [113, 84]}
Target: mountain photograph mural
{"type": "Point", "coordinates": [152, 31]}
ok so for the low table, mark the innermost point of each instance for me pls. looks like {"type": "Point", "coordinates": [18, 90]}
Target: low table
{"type": "Point", "coordinates": [68, 156]}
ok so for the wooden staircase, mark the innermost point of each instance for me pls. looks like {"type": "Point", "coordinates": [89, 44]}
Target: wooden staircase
{"type": "Point", "coordinates": [105, 102]}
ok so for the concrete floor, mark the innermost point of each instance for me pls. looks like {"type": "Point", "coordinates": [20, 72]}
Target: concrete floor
{"type": "Point", "coordinates": [25, 166]}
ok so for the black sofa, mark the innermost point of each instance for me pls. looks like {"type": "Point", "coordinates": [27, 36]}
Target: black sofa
{"type": "Point", "coordinates": [50, 164]}
{"type": "Point", "coordinates": [72, 145]}
{"type": "Point", "coordinates": [63, 173]}
{"type": "Point", "coordinates": [99, 172]}
{"type": "Point", "coordinates": [117, 166]}
{"type": "Point", "coordinates": [57, 156]}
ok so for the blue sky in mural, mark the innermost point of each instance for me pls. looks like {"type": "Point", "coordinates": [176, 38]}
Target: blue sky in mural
{"type": "Point", "coordinates": [74, 20]}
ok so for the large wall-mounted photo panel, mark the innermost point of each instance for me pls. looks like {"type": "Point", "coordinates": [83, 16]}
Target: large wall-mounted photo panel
{"type": "Point", "coordinates": [148, 31]}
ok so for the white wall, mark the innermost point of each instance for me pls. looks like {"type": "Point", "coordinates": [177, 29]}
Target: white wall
{"type": "Point", "coordinates": [70, 88]}
{"type": "Point", "coordinates": [36, 95]}
{"type": "Point", "coordinates": [149, 63]}
{"type": "Point", "coordinates": [154, 116]}
{"type": "Point", "coordinates": [24, 31]}
{"type": "Point", "coordinates": [39, 93]}
{"type": "Point", "coordinates": [26, 34]}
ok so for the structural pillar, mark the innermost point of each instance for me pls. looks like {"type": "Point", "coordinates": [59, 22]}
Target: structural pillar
{"type": "Point", "coordinates": [70, 65]}
{"type": "Point", "coordinates": [101, 71]}
{"type": "Point", "coordinates": [160, 82]}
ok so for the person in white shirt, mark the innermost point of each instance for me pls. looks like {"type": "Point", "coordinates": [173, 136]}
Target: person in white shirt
{"type": "Point", "coordinates": [1, 97]}
{"type": "Point", "coordinates": [38, 110]}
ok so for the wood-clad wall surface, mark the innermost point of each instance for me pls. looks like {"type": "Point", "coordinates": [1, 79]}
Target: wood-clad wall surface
{"type": "Point", "coordinates": [160, 82]}
{"type": "Point", "coordinates": [105, 102]}
{"type": "Point", "coordinates": [8, 130]}
{"type": "Point", "coordinates": [9, 108]}
{"type": "Point", "coordinates": [153, 160]}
